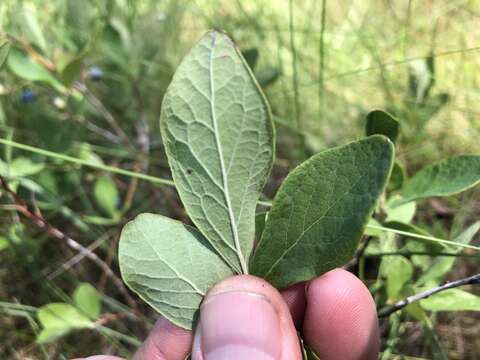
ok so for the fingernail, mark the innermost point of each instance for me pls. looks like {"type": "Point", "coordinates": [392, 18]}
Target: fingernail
{"type": "Point", "coordinates": [238, 325]}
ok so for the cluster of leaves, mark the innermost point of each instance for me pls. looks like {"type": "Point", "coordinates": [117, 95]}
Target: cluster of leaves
{"type": "Point", "coordinates": [218, 134]}
{"type": "Point", "coordinates": [411, 266]}
{"type": "Point", "coordinates": [94, 64]}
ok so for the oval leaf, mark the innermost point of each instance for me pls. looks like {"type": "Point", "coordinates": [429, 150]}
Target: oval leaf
{"type": "Point", "coordinates": [88, 300]}
{"type": "Point", "coordinates": [106, 195]}
{"type": "Point", "coordinates": [320, 211]}
{"type": "Point", "coordinates": [448, 177]}
{"type": "Point", "coordinates": [452, 300]}
{"type": "Point", "coordinates": [218, 134]}
{"type": "Point", "coordinates": [169, 265]}
{"type": "Point", "coordinates": [23, 66]}
{"type": "Point", "coordinates": [381, 122]}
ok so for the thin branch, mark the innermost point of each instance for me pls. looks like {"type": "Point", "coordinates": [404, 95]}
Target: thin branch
{"type": "Point", "coordinates": [41, 223]}
{"type": "Point", "coordinates": [296, 95]}
{"type": "Point", "coordinates": [358, 254]}
{"type": "Point", "coordinates": [97, 104]}
{"type": "Point", "coordinates": [321, 64]}
{"type": "Point", "coordinates": [471, 280]}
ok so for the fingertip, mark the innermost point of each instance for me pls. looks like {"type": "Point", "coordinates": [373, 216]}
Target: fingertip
{"type": "Point", "coordinates": [244, 317]}
{"type": "Point", "coordinates": [340, 318]}
{"type": "Point", "coordinates": [165, 341]}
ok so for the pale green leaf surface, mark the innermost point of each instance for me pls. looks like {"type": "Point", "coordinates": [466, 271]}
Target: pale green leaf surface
{"type": "Point", "coordinates": [452, 300]}
{"type": "Point", "coordinates": [62, 315]}
{"type": "Point", "coordinates": [20, 167]}
{"type": "Point", "coordinates": [320, 211]}
{"type": "Point", "coordinates": [219, 138]}
{"type": "Point", "coordinates": [106, 195]}
{"type": "Point", "coordinates": [448, 177]}
{"type": "Point", "coordinates": [373, 232]}
{"type": "Point", "coordinates": [397, 271]}
{"type": "Point", "coordinates": [88, 300]}
{"type": "Point", "coordinates": [58, 319]}
{"type": "Point", "coordinates": [403, 213]}
{"type": "Point", "coordinates": [169, 265]}
{"type": "Point", "coordinates": [47, 335]}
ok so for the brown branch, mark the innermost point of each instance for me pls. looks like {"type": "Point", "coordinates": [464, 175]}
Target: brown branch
{"type": "Point", "coordinates": [41, 223]}
{"type": "Point", "coordinates": [475, 279]}
{"type": "Point", "coordinates": [358, 254]}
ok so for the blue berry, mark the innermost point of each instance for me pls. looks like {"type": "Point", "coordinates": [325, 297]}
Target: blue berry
{"type": "Point", "coordinates": [95, 73]}
{"type": "Point", "coordinates": [27, 96]}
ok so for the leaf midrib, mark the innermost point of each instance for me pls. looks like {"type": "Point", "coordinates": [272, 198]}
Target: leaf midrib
{"type": "Point", "coordinates": [304, 231]}
{"type": "Point", "coordinates": [231, 216]}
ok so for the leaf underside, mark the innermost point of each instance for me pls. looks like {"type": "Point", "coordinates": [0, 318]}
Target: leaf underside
{"type": "Point", "coordinates": [320, 211]}
{"type": "Point", "coordinates": [169, 265]}
{"type": "Point", "coordinates": [219, 139]}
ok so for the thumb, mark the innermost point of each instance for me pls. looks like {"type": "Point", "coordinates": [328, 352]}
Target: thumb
{"type": "Point", "coordinates": [244, 317]}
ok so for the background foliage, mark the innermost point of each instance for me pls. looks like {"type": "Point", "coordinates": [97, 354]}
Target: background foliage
{"type": "Point", "coordinates": [85, 79]}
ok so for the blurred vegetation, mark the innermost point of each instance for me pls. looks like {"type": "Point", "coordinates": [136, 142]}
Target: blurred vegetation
{"type": "Point", "coordinates": [85, 79]}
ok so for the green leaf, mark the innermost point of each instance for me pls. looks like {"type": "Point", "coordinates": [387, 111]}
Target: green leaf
{"type": "Point", "coordinates": [403, 213]}
{"type": "Point", "coordinates": [443, 264]}
{"type": "Point", "coordinates": [267, 76]}
{"type": "Point", "coordinates": [251, 57]}
{"type": "Point", "coordinates": [320, 211]}
{"type": "Point", "coordinates": [169, 265]}
{"type": "Point", "coordinates": [383, 123]}
{"type": "Point", "coordinates": [106, 195]}
{"type": "Point", "coordinates": [23, 66]}
{"type": "Point", "coordinates": [371, 231]}
{"type": "Point", "coordinates": [50, 334]}
{"type": "Point", "coordinates": [87, 299]}
{"type": "Point", "coordinates": [397, 178]}
{"type": "Point", "coordinates": [58, 319]}
{"type": "Point", "coordinates": [20, 167]}
{"type": "Point", "coordinates": [25, 18]}
{"type": "Point", "coordinates": [219, 138]}
{"type": "Point", "coordinates": [260, 219]}
{"type": "Point", "coordinates": [71, 70]}
{"type": "Point", "coordinates": [4, 243]}
{"type": "Point", "coordinates": [4, 50]}
{"type": "Point", "coordinates": [397, 271]}
{"type": "Point", "coordinates": [452, 300]}
{"type": "Point", "coordinates": [448, 177]}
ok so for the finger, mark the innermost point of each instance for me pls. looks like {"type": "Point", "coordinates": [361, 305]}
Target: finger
{"type": "Point", "coordinates": [244, 317]}
{"type": "Point", "coordinates": [340, 318]}
{"type": "Point", "coordinates": [165, 342]}
{"type": "Point", "coordinates": [100, 357]}
{"type": "Point", "coordinates": [295, 298]}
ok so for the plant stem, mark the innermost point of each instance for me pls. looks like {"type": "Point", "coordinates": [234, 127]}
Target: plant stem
{"type": "Point", "coordinates": [475, 279]}
{"type": "Point", "coordinates": [82, 162]}
{"type": "Point", "coordinates": [321, 55]}
{"type": "Point", "coordinates": [296, 95]}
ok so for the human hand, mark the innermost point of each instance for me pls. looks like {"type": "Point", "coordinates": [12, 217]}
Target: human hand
{"type": "Point", "coordinates": [244, 317]}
